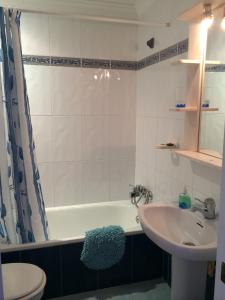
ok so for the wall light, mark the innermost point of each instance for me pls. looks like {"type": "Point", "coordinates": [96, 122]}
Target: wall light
{"type": "Point", "coordinates": [223, 20]}
{"type": "Point", "coordinates": [207, 18]}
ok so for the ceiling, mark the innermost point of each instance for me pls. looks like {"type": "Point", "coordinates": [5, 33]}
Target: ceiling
{"type": "Point", "coordinates": [106, 8]}
{"type": "Point", "coordinates": [121, 9]}
{"type": "Point", "coordinates": [114, 2]}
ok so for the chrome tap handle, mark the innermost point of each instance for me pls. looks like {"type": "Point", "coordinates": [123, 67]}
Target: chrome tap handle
{"type": "Point", "coordinates": [199, 200]}
{"type": "Point", "coordinates": [207, 202]}
{"type": "Point", "coordinates": [210, 203]}
{"type": "Point", "coordinates": [209, 208]}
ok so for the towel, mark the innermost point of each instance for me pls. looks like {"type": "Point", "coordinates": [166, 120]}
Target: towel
{"type": "Point", "coordinates": [103, 247]}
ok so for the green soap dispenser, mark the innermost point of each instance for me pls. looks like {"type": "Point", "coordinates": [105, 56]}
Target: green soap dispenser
{"type": "Point", "coordinates": [184, 199]}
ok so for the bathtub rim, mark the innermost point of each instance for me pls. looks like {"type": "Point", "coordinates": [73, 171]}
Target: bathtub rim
{"type": "Point", "coordinates": [92, 204]}
{"type": "Point", "coordinates": [5, 248]}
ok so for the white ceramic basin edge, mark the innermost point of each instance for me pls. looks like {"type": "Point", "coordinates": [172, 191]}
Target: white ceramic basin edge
{"type": "Point", "coordinates": [170, 228]}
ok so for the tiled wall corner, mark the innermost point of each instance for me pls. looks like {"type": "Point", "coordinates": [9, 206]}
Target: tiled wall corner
{"type": "Point", "coordinates": [160, 87]}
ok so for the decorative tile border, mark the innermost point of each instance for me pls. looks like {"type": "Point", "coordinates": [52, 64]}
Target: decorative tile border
{"type": "Point", "coordinates": [152, 59]}
{"type": "Point", "coordinates": [95, 63]}
{"type": "Point", "coordinates": [215, 68]}
{"type": "Point", "coordinates": [174, 50]}
{"type": "Point", "coordinates": [36, 60]}
{"type": "Point", "coordinates": [182, 46]}
{"type": "Point", "coordinates": [141, 64]}
{"type": "Point", "coordinates": [66, 61]}
{"type": "Point", "coordinates": [123, 65]}
{"type": "Point", "coordinates": [168, 52]}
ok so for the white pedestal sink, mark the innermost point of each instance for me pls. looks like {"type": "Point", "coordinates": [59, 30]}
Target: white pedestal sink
{"type": "Point", "coordinates": [190, 239]}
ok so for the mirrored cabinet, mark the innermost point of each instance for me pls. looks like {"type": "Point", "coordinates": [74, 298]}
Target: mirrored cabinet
{"type": "Point", "coordinates": [211, 130]}
{"type": "Point", "coordinates": [205, 103]}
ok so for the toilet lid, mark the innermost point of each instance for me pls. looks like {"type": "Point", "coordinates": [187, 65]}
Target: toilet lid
{"type": "Point", "coordinates": [20, 279]}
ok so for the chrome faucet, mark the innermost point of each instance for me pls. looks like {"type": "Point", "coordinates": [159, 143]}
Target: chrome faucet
{"type": "Point", "coordinates": [208, 209]}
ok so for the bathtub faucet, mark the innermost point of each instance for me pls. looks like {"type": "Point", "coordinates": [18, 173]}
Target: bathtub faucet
{"type": "Point", "coordinates": [140, 192]}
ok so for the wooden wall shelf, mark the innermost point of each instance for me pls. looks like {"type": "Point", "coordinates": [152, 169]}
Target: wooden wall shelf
{"type": "Point", "coordinates": [186, 61]}
{"type": "Point", "coordinates": [197, 62]}
{"type": "Point", "coordinates": [184, 109]}
{"type": "Point", "coordinates": [201, 158]}
{"type": "Point", "coordinates": [209, 109]}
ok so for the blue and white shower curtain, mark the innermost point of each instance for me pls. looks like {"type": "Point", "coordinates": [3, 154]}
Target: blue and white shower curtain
{"type": "Point", "coordinates": [22, 209]}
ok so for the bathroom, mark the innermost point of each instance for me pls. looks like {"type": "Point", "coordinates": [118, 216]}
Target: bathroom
{"type": "Point", "coordinates": [107, 82]}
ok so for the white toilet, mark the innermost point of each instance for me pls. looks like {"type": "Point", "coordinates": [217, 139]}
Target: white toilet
{"type": "Point", "coordinates": [23, 281]}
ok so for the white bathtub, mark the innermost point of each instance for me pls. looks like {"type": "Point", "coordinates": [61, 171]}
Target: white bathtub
{"type": "Point", "coordinates": [68, 224]}
{"type": "Point", "coordinates": [71, 222]}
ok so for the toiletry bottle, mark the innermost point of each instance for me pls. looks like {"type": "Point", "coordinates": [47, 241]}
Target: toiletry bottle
{"type": "Point", "coordinates": [184, 199]}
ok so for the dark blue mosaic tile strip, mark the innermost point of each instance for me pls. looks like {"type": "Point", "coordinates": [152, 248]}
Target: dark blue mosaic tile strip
{"type": "Point", "coordinates": [124, 65]}
{"type": "Point", "coordinates": [95, 63]}
{"type": "Point", "coordinates": [176, 49]}
{"type": "Point", "coordinates": [152, 59]}
{"type": "Point", "coordinates": [141, 64]}
{"type": "Point", "coordinates": [66, 61]}
{"type": "Point", "coordinates": [168, 52]}
{"type": "Point", "coordinates": [36, 60]}
{"type": "Point", "coordinates": [215, 68]}
{"type": "Point", "coordinates": [182, 46]}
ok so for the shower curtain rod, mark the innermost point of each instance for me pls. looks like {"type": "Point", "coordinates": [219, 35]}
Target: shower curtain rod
{"type": "Point", "coordinates": [100, 18]}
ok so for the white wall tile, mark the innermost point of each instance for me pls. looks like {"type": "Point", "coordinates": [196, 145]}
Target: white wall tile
{"type": "Point", "coordinates": [96, 181]}
{"type": "Point", "coordinates": [122, 137]}
{"type": "Point", "coordinates": [66, 91]}
{"type": "Point", "coordinates": [42, 130]}
{"type": "Point", "coordinates": [113, 45]}
{"type": "Point", "coordinates": [145, 175]}
{"type": "Point", "coordinates": [168, 188]}
{"type": "Point", "coordinates": [206, 180]}
{"type": "Point", "coordinates": [35, 34]}
{"type": "Point", "coordinates": [67, 182]}
{"type": "Point", "coordinates": [147, 92]}
{"type": "Point", "coordinates": [121, 175]}
{"type": "Point", "coordinates": [46, 176]}
{"type": "Point", "coordinates": [66, 138]}
{"type": "Point", "coordinates": [95, 138]}
{"type": "Point", "coordinates": [149, 139]}
{"type": "Point", "coordinates": [39, 90]}
{"type": "Point", "coordinates": [64, 36]}
{"type": "Point", "coordinates": [95, 91]}
{"type": "Point", "coordinates": [122, 92]}
{"type": "Point", "coordinates": [170, 130]}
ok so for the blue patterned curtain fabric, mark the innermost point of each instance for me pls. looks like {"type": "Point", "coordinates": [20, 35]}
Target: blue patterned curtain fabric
{"type": "Point", "coordinates": [4, 236]}
{"type": "Point", "coordinates": [26, 218]}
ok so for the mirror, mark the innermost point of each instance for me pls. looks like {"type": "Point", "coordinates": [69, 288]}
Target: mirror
{"type": "Point", "coordinates": [212, 116]}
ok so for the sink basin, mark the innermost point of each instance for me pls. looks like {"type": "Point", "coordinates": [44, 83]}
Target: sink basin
{"type": "Point", "coordinates": [179, 232]}
{"type": "Point", "coordinates": [192, 241]}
